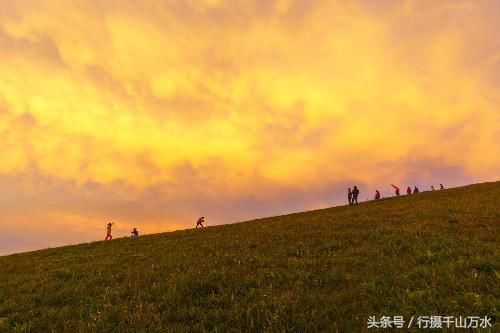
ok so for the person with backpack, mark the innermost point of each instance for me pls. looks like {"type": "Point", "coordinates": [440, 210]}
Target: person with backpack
{"type": "Point", "coordinates": [108, 232]}
{"type": "Point", "coordinates": [355, 193]}
{"type": "Point", "coordinates": [377, 195]}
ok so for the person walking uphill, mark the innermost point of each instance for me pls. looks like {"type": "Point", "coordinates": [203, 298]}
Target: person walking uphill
{"type": "Point", "coordinates": [396, 188]}
{"type": "Point", "coordinates": [355, 193]}
{"type": "Point", "coordinates": [349, 195]}
{"type": "Point", "coordinates": [108, 232]}
{"type": "Point", "coordinates": [200, 222]}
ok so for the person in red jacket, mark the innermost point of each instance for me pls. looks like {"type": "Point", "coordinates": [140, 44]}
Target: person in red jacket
{"type": "Point", "coordinates": [377, 195]}
{"type": "Point", "coordinates": [396, 188]}
{"type": "Point", "coordinates": [408, 190]}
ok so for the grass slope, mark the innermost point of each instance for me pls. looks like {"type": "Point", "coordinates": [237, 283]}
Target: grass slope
{"type": "Point", "coordinates": [435, 253]}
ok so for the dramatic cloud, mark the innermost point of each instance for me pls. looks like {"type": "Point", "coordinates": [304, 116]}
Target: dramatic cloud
{"type": "Point", "coordinates": [151, 113]}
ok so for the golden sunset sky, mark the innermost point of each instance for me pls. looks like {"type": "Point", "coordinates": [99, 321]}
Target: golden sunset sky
{"type": "Point", "coordinates": [152, 113]}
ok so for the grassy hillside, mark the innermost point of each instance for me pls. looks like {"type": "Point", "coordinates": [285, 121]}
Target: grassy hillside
{"type": "Point", "coordinates": [435, 253]}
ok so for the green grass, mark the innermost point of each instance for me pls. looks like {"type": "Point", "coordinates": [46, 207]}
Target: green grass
{"type": "Point", "coordinates": [435, 253]}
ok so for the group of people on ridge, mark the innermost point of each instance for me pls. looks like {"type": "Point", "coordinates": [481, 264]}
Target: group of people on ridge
{"type": "Point", "coordinates": [352, 195]}
{"type": "Point", "coordinates": [135, 232]}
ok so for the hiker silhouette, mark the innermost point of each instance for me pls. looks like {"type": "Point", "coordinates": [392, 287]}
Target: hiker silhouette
{"type": "Point", "coordinates": [108, 232]}
{"type": "Point", "coordinates": [396, 188]}
{"type": "Point", "coordinates": [377, 195]}
{"type": "Point", "coordinates": [349, 196]}
{"type": "Point", "coordinates": [355, 193]}
{"type": "Point", "coordinates": [200, 222]}
{"type": "Point", "coordinates": [415, 190]}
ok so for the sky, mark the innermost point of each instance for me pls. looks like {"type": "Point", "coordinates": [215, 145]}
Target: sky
{"type": "Point", "coordinates": [152, 113]}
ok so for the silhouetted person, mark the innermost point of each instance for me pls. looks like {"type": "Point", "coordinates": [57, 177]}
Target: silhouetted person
{"type": "Point", "coordinates": [441, 187]}
{"type": "Point", "coordinates": [396, 188]}
{"type": "Point", "coordinates": [408, 190]}
{"type": "Point", "coordinates": [432, 188]}
{"type": "Point", "coordinates": [135, 233]}
{"type": "Point", "coordinates": [108, 232]}
{"type": "Point", "coordinates": [415, 190]}
{"type": "Point", "coordinates": [200, 222]}
{"type": "Point", "coordinates": [377, 195]}
{"type": "Point", "coordinates": [355, 193]}
{"type": "Point", "coordinates": [349, 195]}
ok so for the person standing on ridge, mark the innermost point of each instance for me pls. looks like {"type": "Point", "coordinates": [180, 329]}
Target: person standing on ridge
{"type": "Point", "coordinates": [408, 190]}
{"type": "Point", "coordinates": [135, 233]}
{"type": "Point", "coordinates": [432, 188]}
{"type": "Point", "coordinates": [349, 196]}
{"type": "Point", "coordinates": [415, 190]}
{"type": "Point", "coordinates": [355, 193]}
{"type": "Point", "coordinates": [108, 232]}
{"type": "Point", "coordinates": [396, 188]}
{"type": "Point", "coordinates": [377, 195]}
{"type": "Point", "coordinates": [200, 222]}
{"type": "Point", "coordinates": [441, 187]}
